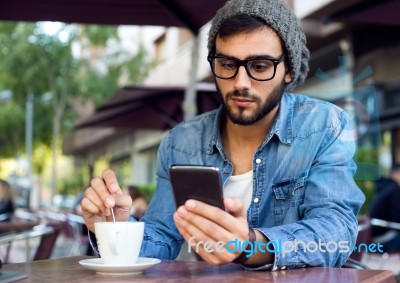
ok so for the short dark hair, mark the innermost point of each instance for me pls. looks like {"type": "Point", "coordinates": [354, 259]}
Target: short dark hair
{"type": "Point", "coordinates": [238, 24]}
{"type": "Point", "coordinates": [134, 192]}
{"type": "Point", "coordinates": [395, 168]}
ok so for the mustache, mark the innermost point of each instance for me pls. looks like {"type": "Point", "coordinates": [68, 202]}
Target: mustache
{"type": "Point", "coordinates": [242, 94]}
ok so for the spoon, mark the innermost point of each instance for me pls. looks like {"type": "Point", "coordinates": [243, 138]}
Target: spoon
{"type": "Point", "coordinates": [112, 214]}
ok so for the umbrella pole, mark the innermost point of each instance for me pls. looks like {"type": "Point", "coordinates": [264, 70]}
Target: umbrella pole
{"type": "Point", "coordinates": [189, 103]}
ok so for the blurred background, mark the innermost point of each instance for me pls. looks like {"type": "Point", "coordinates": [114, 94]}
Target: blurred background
{"type": "Point", "coordinates": [86, 86]}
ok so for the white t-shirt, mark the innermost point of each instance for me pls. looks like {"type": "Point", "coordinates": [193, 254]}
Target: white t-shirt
{"type": "Point", "coordinates": [240, 186]}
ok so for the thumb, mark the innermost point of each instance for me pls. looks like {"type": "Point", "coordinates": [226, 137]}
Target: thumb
{"type": "Point", "coordinates": [235, 206]}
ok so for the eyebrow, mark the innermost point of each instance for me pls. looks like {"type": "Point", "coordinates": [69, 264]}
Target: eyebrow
{"type": "Point", "coordinates": [250, 57]}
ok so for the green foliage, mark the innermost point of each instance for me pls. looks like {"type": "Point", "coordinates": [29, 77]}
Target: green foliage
{"type": "Point", "coordinates": [32, 61]}
{"type": "Point", "coordinates": [136, 69]}
{"type": "Point", "coordinates": [367, 173]}
{"type": "Point", "coordinates": [99, 86]}
{"type": "Point", "coordinates": [96, 85]}
{"type": "Point", "coordinates": [73, 184]}
{"type": "Point", "coordinates": [41, 155]}
{"type": "Point", "coordinates": [99, 35]}
{"type": "Point", "coordinates": [148, 190]}
{"type": "Point", "coordinates": [37, 62]}
{"type": "Point", "coordinates": [12, 128]}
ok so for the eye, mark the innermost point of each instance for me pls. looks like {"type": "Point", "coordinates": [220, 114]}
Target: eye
{"type": "Point", "coordinates": [227, 64]}
{"type": "Point", "coordinates": [260, 66]}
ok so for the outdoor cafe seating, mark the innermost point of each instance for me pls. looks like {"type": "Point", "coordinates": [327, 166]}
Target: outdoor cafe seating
{"type": "Point", "coordinates": [364, 238]}
{"type": "Point", "coordinates": [37, 233]}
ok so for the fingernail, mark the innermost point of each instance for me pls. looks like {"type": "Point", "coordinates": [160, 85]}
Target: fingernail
{"type": "Point", "coordinates": [113, 188]}
{"type": "Point", "coordinates": [110, 202]}
{"type": "Point", "coordinates": [181, 211]}
{"type": "Point", "coordinates": [190, 203]}
{"type": "Point", "coordinates": [230, 201]}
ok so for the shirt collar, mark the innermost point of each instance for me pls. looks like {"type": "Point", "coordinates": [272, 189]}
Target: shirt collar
{"type": "Point", "coordinates": [216, 141]}
{"type": "Point", "coordinates": [282, 126]}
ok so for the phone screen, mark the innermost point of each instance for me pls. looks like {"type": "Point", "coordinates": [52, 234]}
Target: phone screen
{"type": "Point", "coordinates": [202, 183]}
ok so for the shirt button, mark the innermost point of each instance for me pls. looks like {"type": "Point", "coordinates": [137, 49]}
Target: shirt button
{"type": "Point", "coordinates": [258, 160]}
{"type": "Point", "coordinates": [256, 200]}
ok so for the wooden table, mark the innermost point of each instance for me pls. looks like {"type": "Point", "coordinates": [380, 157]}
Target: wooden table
{"type": "Point", "coordinates": [69, 270]}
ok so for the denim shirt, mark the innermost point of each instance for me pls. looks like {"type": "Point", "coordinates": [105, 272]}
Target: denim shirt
{"type": "Point", "coordinates": [303, 187]}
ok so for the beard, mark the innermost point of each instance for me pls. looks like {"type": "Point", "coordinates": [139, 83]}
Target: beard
{"type": "Point", "coordinates": [262, 109]}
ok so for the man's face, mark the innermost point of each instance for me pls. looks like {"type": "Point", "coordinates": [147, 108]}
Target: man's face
{"type": "Point", "coordinates": [246, 100]}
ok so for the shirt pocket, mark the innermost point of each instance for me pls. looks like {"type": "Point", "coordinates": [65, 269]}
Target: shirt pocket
{"type": "Point", "coordinates": [288, 195]}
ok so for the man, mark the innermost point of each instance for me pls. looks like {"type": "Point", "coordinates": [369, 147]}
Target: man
{"type": "Point", "coordinates": [385, 206]}
{"type": "Point", "coordinates": [286, 160]}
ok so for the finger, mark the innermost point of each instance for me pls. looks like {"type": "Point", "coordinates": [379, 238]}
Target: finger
{"type": "Point", "coordinates": [235, 206]}
{"type": "Point", "coordinates": [93, 202]}
{"type": "Point", "coordinates": [181, 227]}
{"type": "Point", "coordinates": [213, 257]}
{"type": "Point", "coordinates": [111, 182]}
{"type": "Point", "coordinates": [213, 252]}
{"type": "Point", "coordinates": [208, 254]}
{"type": "Point", "coordinates": [217, 215]}
{"type": "Point", "coordinates": [102, 192]}
{"type": "Point", "coordinates": [89, 206]}
{"type": "Point", "coordinates": [123, 201]}
{"type": "Point", "coordinates": [188, 229]}
{"type": "Point", "coordinates": [124, 204]}
{"type": "Point", "coordinates": [204, 229]}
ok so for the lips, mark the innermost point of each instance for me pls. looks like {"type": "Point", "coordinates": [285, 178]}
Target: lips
{"type": "Point", "coordinates": [241, 102]}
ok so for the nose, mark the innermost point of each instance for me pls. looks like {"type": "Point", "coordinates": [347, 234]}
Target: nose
{"type": "Point", "coordinates": [242, 80]}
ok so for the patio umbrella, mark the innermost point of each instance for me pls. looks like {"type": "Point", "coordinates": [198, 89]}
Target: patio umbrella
{"type": "Point", "coordinates": [149, 107]}
{"type": "Point", "coordinates": [192, 14]}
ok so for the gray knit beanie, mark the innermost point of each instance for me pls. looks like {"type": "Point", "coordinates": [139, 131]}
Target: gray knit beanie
{"type": "Point", "coordinates": [278, 16]}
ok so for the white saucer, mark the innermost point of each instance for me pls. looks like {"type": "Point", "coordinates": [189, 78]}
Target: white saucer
{"type": "Point", "coordinates": [97, 264]}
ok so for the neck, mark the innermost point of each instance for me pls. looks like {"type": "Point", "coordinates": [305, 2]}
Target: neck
{"type": "Point", "coordinates": [241, 142]}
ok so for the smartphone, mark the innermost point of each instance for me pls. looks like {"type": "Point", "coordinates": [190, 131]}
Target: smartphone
{"type": "Point", "coordinates": [197, 182]}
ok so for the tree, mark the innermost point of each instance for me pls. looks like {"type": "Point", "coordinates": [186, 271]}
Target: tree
{"type": "Point", "coordinates": [34, 61]}
{"type": "Point", "coordinates": [11, 118]}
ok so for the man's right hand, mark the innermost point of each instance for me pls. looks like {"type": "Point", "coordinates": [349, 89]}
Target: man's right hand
{"type": "Point", "coordinates": [103, 194]}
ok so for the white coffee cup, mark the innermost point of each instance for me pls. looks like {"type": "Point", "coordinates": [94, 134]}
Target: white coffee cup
{"type": "Point", "coordinates": [119, 243]}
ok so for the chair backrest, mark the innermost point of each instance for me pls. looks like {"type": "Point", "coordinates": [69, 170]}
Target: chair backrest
{"type": "Point", "coordinates": [48, 234]}
{"type": "Point", "coordinates": [393, 227]}
{"type": "Point", "coordinates": [364, 236]}
{"type": "Point", "coordinates": [48, 242]}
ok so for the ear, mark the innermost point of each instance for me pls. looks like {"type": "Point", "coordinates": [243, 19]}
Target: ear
{"type": "Point", "coordinates": [288, 77]}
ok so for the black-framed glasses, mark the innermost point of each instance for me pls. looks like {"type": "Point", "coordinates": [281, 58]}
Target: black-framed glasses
{"type": "Point", "coordinates": [259, 68]}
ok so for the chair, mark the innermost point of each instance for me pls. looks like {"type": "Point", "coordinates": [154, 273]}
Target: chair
{"type": "Point", "coordinates": [364, 236]}
{"type": "Point", "coordinates": [386, 224]}
{"type": "Point", "coordinates": [74, 230]}
{"type": "Point", "coordinates": [351, 263]}
{"type": "Point", "coordinates": [47, 242]}
{"type": "Point", "coordinates": [48, 234]}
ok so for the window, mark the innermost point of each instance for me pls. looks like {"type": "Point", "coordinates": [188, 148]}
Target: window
{"type": "Point", "coordinates": [160, 48]}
